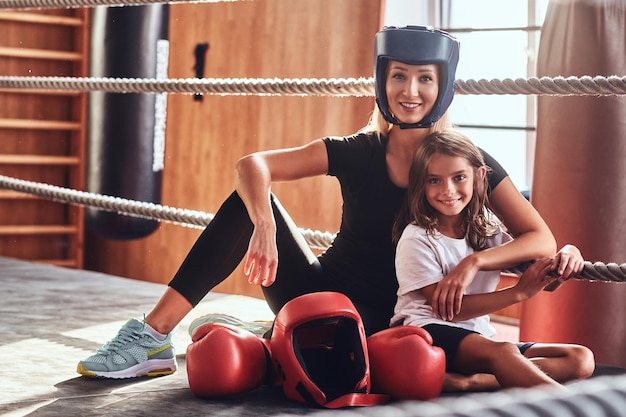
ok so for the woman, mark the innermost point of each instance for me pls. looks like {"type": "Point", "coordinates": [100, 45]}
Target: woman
{"type": "Point", "coordinates": [415, 69]}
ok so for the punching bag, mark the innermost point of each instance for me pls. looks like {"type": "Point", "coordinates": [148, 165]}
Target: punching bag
{"type": "Point", "coordinates": [579, 184]}
{"type": "Point", "coordinates": [126, 131]}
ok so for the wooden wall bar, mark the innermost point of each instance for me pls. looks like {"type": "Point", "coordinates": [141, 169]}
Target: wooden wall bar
{"type": "Point", "coordinates": [255, 39]}
{"type": "Point", "coordinates": [42, 134]}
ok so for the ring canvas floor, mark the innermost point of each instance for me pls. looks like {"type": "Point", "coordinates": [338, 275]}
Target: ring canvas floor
{"type": "Point", "coordinates": [52, 317]}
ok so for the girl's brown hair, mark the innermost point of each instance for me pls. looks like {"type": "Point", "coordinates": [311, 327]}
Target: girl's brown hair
{"type": "Point", "coordinates": [478, 223]}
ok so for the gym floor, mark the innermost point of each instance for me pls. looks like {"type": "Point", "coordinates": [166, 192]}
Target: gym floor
{"type": "Point", "coordinates": [53, 317]}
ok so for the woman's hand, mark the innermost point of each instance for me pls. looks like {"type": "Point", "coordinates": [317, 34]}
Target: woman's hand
{"type": "Point", "coordinates": [262, 260]}
{"type": "Point", "coordinates": [568, 262]}
{"type": "Point", "coordinates": [254, 175]}
{"type": "Point", "coordinates": [448, 295]}
{"type": "Point", "coordinates": [535, 278]}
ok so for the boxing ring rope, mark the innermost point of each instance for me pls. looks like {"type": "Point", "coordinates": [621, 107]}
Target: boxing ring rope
{"type": "Point", "coordinates": [68, 4]}
{"type": "Point", "coordinates": [596, 271]}
{"type": "Point", "coordinates": [184, 217]}
{"type": "Point", "coordinates": [341, 87]}
{"type": "Point", "coordinates": [597, 397]}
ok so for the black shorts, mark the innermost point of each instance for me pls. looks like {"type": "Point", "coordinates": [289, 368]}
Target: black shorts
{"type": "Point", "coordinates": [449, 338]}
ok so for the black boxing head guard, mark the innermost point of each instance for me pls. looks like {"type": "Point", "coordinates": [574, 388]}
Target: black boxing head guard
{"type": "Point", "coordinates": [416, 45]}
{"type": "Point", "coordinates": [319, 348]}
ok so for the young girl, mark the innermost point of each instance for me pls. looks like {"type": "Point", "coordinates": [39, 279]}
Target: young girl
{"type": "Point", "coordinates": [447, 219]}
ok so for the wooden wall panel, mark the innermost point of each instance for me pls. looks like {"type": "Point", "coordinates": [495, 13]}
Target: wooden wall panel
{"type": "Point", "coordinates": [41, 136]}
{"type": "Point", "coordinates": [260, 39]}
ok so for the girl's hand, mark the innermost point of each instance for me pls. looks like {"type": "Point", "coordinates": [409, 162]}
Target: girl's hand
{"type": "Point", "coordinates": [448, 295]}
{"type": "Point", "coordinates": [535, 278]}
{"type": "Point", "coordinates": [262, 260]}
{"type": "Point", "coordinates": [568, 262]}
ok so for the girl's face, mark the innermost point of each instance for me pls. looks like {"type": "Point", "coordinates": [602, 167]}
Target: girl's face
{"type": "Point", "coordinates": [450, 184]}
{"type": "Point", "coordinates": [411, 90]}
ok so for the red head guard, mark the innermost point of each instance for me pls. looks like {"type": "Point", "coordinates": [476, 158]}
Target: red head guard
{"type": "Point", "coordinates": [320, 350]}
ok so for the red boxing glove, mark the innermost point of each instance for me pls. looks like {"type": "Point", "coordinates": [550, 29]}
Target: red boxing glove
{"type": "Point", "coordinates": [225, 360]}
{"type": "Point", "coordinates": [405, 364]}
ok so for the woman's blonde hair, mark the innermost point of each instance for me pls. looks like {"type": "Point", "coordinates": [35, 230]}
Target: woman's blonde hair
{"type": "Point", "coordinates": [477, 221]}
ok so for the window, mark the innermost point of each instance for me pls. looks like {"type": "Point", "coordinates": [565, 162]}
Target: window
{"type": "Point", "coordinates": [498, 40]}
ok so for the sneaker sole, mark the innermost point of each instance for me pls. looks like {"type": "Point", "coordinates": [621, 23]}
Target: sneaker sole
{"type": "Point", "coordinates": [150, 368]}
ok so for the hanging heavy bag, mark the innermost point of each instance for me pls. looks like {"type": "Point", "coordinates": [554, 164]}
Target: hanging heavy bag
{"type": "Point", "coordinates": [126, 130]}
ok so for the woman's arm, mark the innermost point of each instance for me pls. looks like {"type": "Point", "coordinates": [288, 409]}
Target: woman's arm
{"type": "Point", "coordinates": [254, 176]}
{"type": "Point", "coordinates": [533, 280]}
{"type": "Point", "coordinates": [533, 239]}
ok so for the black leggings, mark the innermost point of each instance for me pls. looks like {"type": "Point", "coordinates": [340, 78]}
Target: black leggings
{"type": "Point", "coordinates": [223, 244]}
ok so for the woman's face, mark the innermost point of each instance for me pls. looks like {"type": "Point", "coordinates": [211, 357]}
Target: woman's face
{"type": "Point", "coordinates": [411, 90]}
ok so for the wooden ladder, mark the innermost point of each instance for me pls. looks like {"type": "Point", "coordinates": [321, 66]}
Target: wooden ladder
{"type": "Point", "coordinates": [43, 134]}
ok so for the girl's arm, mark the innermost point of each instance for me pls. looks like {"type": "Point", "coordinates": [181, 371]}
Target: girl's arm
{"type": "Point", "coordinates": [254, 176]}
{"type": "Point", "coordinates": [533, 239]}
{"type": "Point", "coordinates": [533, 280]}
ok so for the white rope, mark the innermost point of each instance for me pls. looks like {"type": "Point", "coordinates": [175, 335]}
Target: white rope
{"type": "Point", "coordinates": [558, 86]}
{"type": "Point", "coordinates": [50, 4]}
{"type": "Point", "coordinates": [224, 86]}
{"type": "Point", "coordinates": [602, 396]}
{"type": "Point", "coordinates": [597, 271]}
{"type": "Point", "coordinates": [561, 86]}
{"type": "Point", "coordinates": [184, 217]}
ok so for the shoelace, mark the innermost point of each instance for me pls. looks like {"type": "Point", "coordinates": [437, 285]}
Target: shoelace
{"type": "Point", "coordinates": [124, 336]}
{"type": "Point", "coordinates": [254, 328]}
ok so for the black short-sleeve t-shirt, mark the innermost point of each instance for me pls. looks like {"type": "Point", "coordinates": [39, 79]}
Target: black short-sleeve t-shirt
{"type": "Point", "coordinates": [361, 258]}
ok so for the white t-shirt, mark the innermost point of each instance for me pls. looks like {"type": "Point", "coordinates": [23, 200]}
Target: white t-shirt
{"type": "Point", "coordinates": [422, 260]}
